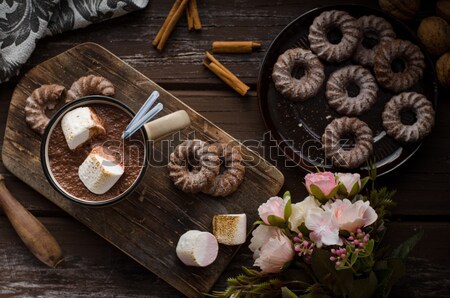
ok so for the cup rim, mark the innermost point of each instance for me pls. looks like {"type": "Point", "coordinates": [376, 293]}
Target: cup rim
{"type": "Point", "coordinates": [49, 129]}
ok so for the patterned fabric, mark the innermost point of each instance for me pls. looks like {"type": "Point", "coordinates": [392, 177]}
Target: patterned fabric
{"type": "Point", "coordinates": [24, 22]}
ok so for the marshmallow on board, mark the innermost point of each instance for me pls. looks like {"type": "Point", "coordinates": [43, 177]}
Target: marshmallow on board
{"type": "Point", "coordinates": [196, 248]}
{"type": "Point", "coordinates": [80, 125]}
{"type": "Point", "coordinates": [100, 171]}
{"type": "Point", "coordinates": [230, 229]}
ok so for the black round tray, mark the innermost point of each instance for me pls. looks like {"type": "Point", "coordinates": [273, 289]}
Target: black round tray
{"type": "Point", "coordinates": [298, 126]}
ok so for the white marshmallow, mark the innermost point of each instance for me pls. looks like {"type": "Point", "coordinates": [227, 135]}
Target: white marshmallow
{"type": "Point", "coordinates": [230, 229]}
{"type": "Point", "coordinates": [80, 125]}
{"type": "Point", "coordinates": [196, 248]}
{"type": "Point", "coordinates": [99, 171]}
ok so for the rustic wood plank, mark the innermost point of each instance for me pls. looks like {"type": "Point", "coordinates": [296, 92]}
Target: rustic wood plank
{"type": "Point", "coordinates": [148, 224]}
{"type": "Point", "coordinates": [422, 184]}
{"type": "Point", "coordinates": [180, 63]}
{"type": "Point", "coordinates": [425, 175]}
{"type": "Point", "coordinates": [93, 268]}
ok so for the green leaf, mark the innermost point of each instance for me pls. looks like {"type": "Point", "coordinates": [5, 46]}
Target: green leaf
{"type": "Point", "coordinates": [315, 291]}
{"type": "Point", "coordinates": [300, 272]}
{"type": "Point", "coordinates": [340, 282]}
{"type": "Point", "coordinates": [382, 252]}
{"type": "Point", "coordinates": [287, 208]}
{"type": "Point", "coordinates": [342, 189]}
{"type": "Point", "coordinates": [372, 169]}
{"type": "Point", "coordinates": [369, 246]}
{"type": "Point", "coordinates": [233, 282]}
{"type": "Point", "coordinates": [403, 250]}
{"type": "Point", "coordinates": [242, 278]}
{"type": "Point", "coordinates": [276, 221]}
{"type": "Point", "coordinates": [364, 182]}
{"type": "Point", "coordinates": [258, 222]}
{"type": "Point", "coordinates": [355, 190]}
{"type": "Point", "coordinates": [286, 194]}
{"type": "Point", "coordinates": [388, 277]}
{"type": "Point", "coordinates": [333, 192]}
{"type": "Point", "coordinates": [286, 293]}
{"type": "Point", "coordinates": [353, 258]}
{"type": "Point", "coordinates": [317, 193]}
{"type": "Point", "coordinates": [250, 272]}
{"type": "Point", "coordinates": [398, 270]}
{"type": "Point", "coordinates": [365, 287]}
{"type": "Point", "coordinates": [304, 230]}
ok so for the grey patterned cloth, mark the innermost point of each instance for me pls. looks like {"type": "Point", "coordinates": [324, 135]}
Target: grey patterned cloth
{"type": "Point", "coordinates": [24, 22]}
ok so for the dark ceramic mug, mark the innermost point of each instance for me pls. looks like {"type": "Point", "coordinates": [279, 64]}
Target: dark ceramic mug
{"type": "Point", "coordinates": [150, 131]}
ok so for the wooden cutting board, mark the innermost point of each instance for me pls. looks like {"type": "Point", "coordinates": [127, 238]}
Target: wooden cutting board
{"type": "Point", "coordinates": [146, 225]}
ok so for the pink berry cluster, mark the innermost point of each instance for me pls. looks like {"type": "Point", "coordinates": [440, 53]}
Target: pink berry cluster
{"type": "Point", "coordinates": [339, 256]}
{"type": "Point", "coordinates": [303, 247]}
{"type": "Point", "coordinates": [358, 240]}
{"type": "Point", "coordinates": [356, 243]}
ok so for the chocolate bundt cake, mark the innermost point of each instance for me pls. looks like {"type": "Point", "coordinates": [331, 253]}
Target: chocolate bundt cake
{"type": "Point", "coordinates": [375, 31]}
{"type": "Point", "coordinates": [405, 52]}
{"type": "Point", "coordinates": [193, 165]}
{"type": "Point", "coordinates": [234, 170]}
{"type": "Point", "coordinates": [419, 105]}
{"type": "Point", "coordinates": [363, 142]}
{"type": "Point", "coordinates": [326, 22]}
{"type": "Point", "coordinates": [338, 96]}
{"type": "Point", "coordinates": [305, 87]}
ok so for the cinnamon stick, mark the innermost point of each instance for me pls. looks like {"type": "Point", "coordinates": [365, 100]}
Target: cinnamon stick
{"type": "Point", "coordinates": [190, 20]}
{"type": "Point", "coordinates": [235, 47]}
{"type": "Point", "coordinates": [192, 15]}
{"type": "Point", "coordinates": [170, 22]}
{"type": "Point", "coordinates": [166, 21]}
{"type": "Point", "coordinates": [224, 74]}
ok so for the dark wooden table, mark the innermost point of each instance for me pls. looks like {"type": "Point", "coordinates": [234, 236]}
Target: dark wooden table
{"type": "Point", "coordinates": [93, 268]}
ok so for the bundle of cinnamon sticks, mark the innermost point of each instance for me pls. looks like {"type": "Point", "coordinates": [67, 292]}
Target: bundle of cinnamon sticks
{"type": "Point", "coordinates": [193, 18]}
{"type": "Point", "coordinates": [224, 74]}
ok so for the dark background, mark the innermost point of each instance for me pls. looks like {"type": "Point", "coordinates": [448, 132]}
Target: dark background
{"type": "Point", "coordinates": [94, 268]}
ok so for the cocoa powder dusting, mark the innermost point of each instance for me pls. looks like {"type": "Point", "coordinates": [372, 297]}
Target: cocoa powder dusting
{"type": "Point", "coordinates": [64, 162]}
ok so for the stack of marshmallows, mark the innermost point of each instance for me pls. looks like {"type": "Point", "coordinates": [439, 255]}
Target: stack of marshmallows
{"type": "Point", "coordinates": [99, 171]}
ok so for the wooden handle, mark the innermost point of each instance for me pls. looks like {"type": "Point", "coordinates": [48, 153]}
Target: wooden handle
{"type": "Point", "coordinates": [32, 232]}
{"type": "Point", "coordinates": [167, 124]}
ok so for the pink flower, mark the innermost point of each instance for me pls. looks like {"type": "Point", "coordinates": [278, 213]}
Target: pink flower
{"type": "Point", "coordinates": [274, 206]}
{"type": "Point", "coordinates": [260, 236]}
{"type": "Point", "coordinates": [325, 181]}
{"type": "Point", "coordinates": [352, 216]}
{"type": "Point", "coordinates": [299, 212]}
{"type": "Point", "coordinates": [323, 226]}
{"type": "Point", "coordinates": [271, 249]}
{"type": "Point", "coordinates": [349, 180]}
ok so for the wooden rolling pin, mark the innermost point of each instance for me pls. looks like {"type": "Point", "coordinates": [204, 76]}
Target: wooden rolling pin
{"type": "Point", "coordinates": [32, 232]}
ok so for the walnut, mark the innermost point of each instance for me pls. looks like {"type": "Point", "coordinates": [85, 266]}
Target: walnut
{"type": "Point", "coordinates": [443, 9]}
{"type": "Point", "coordinates": [443, 70]}
{"type": "Point", "coordinates": [434, 32]}
{"type": "Point", "coordinates": [401, 9]}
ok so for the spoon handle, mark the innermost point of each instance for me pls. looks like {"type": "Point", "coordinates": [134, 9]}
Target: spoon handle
{"type": "Point", "coordinates": [32, 232]}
